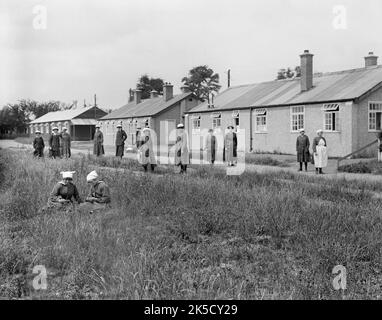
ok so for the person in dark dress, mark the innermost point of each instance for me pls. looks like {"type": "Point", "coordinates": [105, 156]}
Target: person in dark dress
{"type": "Point", "coordinates": [138, 138]}
{"type": "Point", "coordinates": [38, 145]}
{"type": "Point", "coordinates": [302, 148]}
{"type": "Point", "coordinates": [98, 198]}
{"type": "Point", "coordinates": [120, 138]}
{"type": "Point", "coordinates": [66, 142]}
{"type": "Point", "coordinates": [64, 193]}
{"type": "Point", "coordinates": [54, 143]}
{"type": "Point", "coordinates": [211, 146]}
{"type": "Point", "coordinates": [230, 147]}
{"type": "Point", "coordinates": [98, 149]}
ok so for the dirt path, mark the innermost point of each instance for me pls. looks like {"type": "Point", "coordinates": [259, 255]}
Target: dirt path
{"type": "Point", "coordinates": [330, 171]}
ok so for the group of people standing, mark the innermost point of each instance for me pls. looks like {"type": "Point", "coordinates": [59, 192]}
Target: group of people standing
{"type": "Point", "coordinates": [320, 155]}
{"type": "Point", "coordinates": [59, 144]}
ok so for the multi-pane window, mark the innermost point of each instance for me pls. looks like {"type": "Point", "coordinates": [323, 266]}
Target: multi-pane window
{"type": "Point", "coordinates": [297, 118]}
{"type": "Point", "coordinates": [331, 117]}
{"type": "Point", "coordinates": [236, 118]}
{"type": "Point", "coordinates": [196, 123]}
{"type": "Point", "coordinates": [375, 115]}
{"type": "Point", "coordinates": [216, 120]}
{"type": "Point", "coordinates": [261, 120]}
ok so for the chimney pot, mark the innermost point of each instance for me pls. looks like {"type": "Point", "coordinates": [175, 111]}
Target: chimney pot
{"type": "Point", "coordinates": [371, 60]}
{"type": "Point", "coordinates": [153, 94]}
{"type": "Point", "coordinates": [185, 89]}
{"type": "Point", "coordinates": [306, 71]}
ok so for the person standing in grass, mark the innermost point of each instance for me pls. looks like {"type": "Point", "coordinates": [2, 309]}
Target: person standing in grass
{"type": "Point", "coordinates": [54, 143]}
{"type": "Point", "coordinates": [66, 142]}
{"type": "Point", "coordinates": [320, 152]}
{"type": "Point", "coordinates": [38, 145]}
{"type": "Point", "coordinates": [64, 193]}
{"type": "Point", "coordinates": [120, 138]}
{"type": "Point", "coordinates": [302, 148]}
{"type": "Point", "coordinates": [182, 156]}
{"type": "Point", "coordinates": [230, 147]}
{"type": "Point", "coordinates": [138, 138]}
{"type": "Point", "coordinates": [147, 155]}
{"type": "Point", "coordinates": [211, 146]}
{"type": "Point", "coordinates": [98, 149]}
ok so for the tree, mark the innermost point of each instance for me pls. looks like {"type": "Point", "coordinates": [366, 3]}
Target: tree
{"type": "Point", "coordinates": [203, 82]}
{"type": "Point", "coordinates": [289, 73]}
{"type": "Point", "coordinates": [14, 118]}
{"type": "Point", "coordinates": [147, 84]}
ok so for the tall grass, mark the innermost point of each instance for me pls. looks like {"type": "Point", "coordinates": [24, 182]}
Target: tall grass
{"type": "Point", "coordinates": [200, 236]}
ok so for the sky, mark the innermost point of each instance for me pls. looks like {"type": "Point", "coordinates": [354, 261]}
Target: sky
{"type": "Point", "coordinates": [84, 47]}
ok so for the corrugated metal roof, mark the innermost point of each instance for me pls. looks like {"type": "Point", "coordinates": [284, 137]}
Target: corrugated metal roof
{"type": "Point", "coordinates": [61, 115]}
{"type": "Point", "coordinates": [147, 108]}
{"type": "Point", "coordinates": [333, 86]}
{"type": "Point", "coordinates": [84, 122]}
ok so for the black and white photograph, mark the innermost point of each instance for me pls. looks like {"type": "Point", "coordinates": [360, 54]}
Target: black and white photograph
{"type": "Point", "coordinates": [205, 150]}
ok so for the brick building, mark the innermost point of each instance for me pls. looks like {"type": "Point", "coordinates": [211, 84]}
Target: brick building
{"type": "Point", "coordinates": [80, 122]}
{"type": "Point", "coordinates": [347, 105]}
{"type": "Point", "coordinates": [159, 113]}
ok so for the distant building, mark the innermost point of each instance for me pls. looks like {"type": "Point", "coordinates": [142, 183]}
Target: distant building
{"type": "Point", "coordinates": [80, 122]}
{"type": "Point", "coordinates": [347, 105]}
{"type": "Point", "coordinates": [159, 113]}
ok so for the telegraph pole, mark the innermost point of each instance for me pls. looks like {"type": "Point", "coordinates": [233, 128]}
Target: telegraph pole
{"type": "Point", "coordinates": [229, 77]}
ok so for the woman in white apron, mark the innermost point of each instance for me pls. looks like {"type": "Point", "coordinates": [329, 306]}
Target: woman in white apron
{"type": "Point", "coordinates": [320, 152]}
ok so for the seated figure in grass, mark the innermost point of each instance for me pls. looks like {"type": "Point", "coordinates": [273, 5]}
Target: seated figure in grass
{"type": "Point", "coordinates": [64, 193]}
{"type": "Point", "coordinates": [99, 195]}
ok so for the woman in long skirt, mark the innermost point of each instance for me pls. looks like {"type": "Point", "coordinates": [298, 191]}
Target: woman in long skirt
{"type": "Point", "coordinates": [320, 152]}
{"type": "Point", "coordinates": [98, 142]}
{"type": "Point", "coordinates": [230, 147]}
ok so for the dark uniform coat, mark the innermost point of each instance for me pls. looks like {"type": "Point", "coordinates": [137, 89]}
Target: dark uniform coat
{"type": "Point", "coordinates": [98, 144]}
{"type": "Point", "coordinates": [120, 138]}
{"type": "Point", "coordinates": [54, 144]}
{"type": "Point", "coordinates": [100, 191]}
{"type": "Point", "coordinates": [230, 147]}
{"type": "Point", "coordinates": [38, 146]}
{"type": "Point", "coordinates": [302, 148]}
{"type": "Point", "coordinates": [66, 141]}
{"type": "Point", "coordinates": [211, 147]}
{"type": "Point", "coordinates": [63, 191]}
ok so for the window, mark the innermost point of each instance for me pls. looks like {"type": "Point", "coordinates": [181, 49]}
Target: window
{"type": "Point", "coordinates": [375, 114]}
{"type": "Point", "coordinates": [196, 123]}
{"type": "Point", "coordinates": [297, 118]}
{"type": "Point", "coordinates": [236, 118]}
{"type": "Point", "coordinates": [261, 120]}
{"type": "Point", "coordinates": [216, 120]}
{"type": "Point", "coordinates": [331, 117]}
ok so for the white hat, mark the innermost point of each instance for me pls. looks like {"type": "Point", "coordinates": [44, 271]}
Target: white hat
{"type": "Point", "coordinates": [320, 130]}
{"type": "Point", "coordinates": [64, 128]}
{"type": "Point", "coordinates": [302, 130]}
{"type": "Point", "coordinates": [146, 129]}
{"type": "Point", "coordinates": [119, 126]}
{"type": "Point", "coordinates": [98, 126]}
{"type": "Point", "coordinates": [180, 126]}
{"type": "Point", "coordinates": [67, 174]}
{"type": "Point", "coordinates": [91, 176]}
{"type": "Point", "coordinates": [38, 131]}
{"type": "Point", "coordinates": [54, 128]}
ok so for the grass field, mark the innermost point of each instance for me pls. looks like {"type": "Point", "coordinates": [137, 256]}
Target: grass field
{"type": "Point", "coordinates": [203, 235]}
